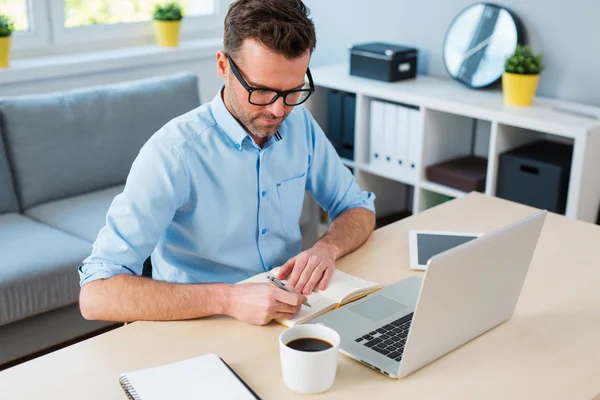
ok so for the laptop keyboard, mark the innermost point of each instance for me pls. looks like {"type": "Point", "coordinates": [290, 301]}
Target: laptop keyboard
{"type": "Point", "coordinates": [390, 339]}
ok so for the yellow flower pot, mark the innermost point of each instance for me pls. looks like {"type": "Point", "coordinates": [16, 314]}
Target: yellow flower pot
{"type": "Point", "coordinates": [519, 89]}
{"type": "Point", "coordinates": [4, 51]}
{"type": "Point", "coordinates": [167, 33]}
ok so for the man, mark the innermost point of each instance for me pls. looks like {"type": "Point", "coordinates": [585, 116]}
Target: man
{"type": "Point", "coordinates": [216, 194]}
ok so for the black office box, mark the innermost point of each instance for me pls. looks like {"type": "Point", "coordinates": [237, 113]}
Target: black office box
{"type": "Point", "coordinates": [537, 175]}
{"type": "Point", "coordinates": [349, 116]}
{"type": "Point", "coordinates": [383, 61]}
{"type": "Point", "coordinates": [341, 113]}
{"type": "Point", "coordinates": [334, 118]}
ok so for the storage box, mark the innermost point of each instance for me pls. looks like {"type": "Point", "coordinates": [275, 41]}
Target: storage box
{"type": "Point", "coordinates": [383, 61]}
{"type": "Point", "coordinates": [537, 175]}
{"type": "Point", "coordinates": [465, 173]}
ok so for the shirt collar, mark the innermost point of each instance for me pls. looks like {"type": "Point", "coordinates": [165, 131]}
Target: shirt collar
{"type": "Point", "coordinates": [232, 128]}
{"type": "Point", "coordinates": [225, 120]}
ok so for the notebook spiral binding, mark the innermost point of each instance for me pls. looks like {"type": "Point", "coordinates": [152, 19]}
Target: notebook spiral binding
{"type": "Point", "coordinates": [128, 388]}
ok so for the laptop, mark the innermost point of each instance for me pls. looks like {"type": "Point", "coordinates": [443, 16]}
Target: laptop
{"type": "Point", "coordinates": [465, 292]}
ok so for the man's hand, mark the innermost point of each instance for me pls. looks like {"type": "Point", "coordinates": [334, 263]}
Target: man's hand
{"type": "Point", "coordinates": [310, 268]}
{"type": "Point", "coordinates": [259, 303]}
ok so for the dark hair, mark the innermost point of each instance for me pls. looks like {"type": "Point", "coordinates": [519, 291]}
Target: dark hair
{"type": "Point", "coordinates": [281, 25]}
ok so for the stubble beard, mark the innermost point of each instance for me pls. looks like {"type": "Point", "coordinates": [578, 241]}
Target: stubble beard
{"type": "Point", "coordinates": [251, 123]}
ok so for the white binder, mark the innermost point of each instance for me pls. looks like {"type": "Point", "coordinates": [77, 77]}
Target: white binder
{"type": "Point", "coordinates": [401, 163]}
{"type": "Point", "coordinates": [389, 143]}
{"type": "Point", "coordinates": [376, 134]}
{"type": "Point", "coordinates": [414, 156]}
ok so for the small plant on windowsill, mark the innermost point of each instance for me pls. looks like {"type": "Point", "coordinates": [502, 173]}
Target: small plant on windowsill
{"type": "Point", "coordinates": [521, 76]}
{"type": "Point", "coordinates": [7, 27]}
{"type": "Point", "coordinates": [167, 23]}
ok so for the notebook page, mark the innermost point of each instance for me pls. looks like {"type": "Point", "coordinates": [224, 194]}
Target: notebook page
{"type": "Point", "coordinates": [344, 287]}
{"type": "Point", "coordinates": [205, 377]}
{"type": "Point", "coordinates": [318, 305]}
{"type": "Point", "coordinates": [258, 278]}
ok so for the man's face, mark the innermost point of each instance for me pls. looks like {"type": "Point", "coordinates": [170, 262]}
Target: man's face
{"type": "Point", "coordinates": [261, 68]}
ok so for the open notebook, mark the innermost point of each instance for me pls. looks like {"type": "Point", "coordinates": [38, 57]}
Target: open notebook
{"type": "Point", "coordinates": [204, 377]}
{"type": "Point", "coordinates": [343, 288]}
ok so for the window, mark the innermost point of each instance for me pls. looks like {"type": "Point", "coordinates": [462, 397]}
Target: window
{"type": "Point", "coordinates": [94, 12]}
{"type": "Point", "coordinates": [54, 26]}
{"type": "Point", "coordinates": [18, 10]}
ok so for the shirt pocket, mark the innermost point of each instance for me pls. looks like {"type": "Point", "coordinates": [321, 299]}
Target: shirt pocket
{"type": "Point", "coordinates": [291, 199]}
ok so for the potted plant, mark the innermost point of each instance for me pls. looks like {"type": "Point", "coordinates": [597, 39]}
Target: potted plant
{"type": "Point", "coordinates": [167, 23]}
{"type": "Point", "coordinates": [7, 27]}
{"type": "Point", "coordinates": [521, 76]}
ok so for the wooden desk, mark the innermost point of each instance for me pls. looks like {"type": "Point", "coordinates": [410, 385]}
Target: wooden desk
{"type": "Point", "coordinates": [550, 349]}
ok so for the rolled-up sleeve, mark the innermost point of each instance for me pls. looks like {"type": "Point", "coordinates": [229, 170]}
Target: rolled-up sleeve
{"type": "Point", "coordinates": [156, 187]}
{"type": "Point", "coordinates": [329, 181]}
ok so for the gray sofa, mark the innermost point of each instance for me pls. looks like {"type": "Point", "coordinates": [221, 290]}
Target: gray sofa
{"type": "Point", "coordinates": [63, 159]}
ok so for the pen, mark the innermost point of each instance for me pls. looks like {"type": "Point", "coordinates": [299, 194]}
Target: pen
{"type": "Point", "coordinates": [280, 285]}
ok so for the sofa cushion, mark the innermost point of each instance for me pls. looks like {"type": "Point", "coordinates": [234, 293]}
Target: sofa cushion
{"type": "Point", "coordinates": [38, 267]}
{"type": "Point", "coordinates": [82, 216]}
{"type": "Point", "coordinates": [8, 197]}
{"type": "Point", "coordinates": [65, 144]}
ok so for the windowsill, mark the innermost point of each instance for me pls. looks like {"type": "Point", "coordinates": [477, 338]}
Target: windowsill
{"type": "Point", "coordinates": [56, 66]}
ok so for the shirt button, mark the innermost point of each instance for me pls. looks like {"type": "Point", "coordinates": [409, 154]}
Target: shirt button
{"type": "Point", "coordinates": [264, 193]}
{"type": "Point", "coordinates": [270, 267]}
{"type": "Point", "coordinates": [264, 231]}
{"type": "Point", "coordinates": [238, 146]}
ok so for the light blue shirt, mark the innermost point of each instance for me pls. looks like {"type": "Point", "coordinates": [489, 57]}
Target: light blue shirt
{"type": "Point", "coordinates": [212, 206]}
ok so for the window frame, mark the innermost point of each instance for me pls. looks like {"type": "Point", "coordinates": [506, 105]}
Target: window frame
{"type": "Point", "coordinates": [48, 35]}
{"type": "Point", "coordinates": [124, 31]}
{"type": "Point", "coordinates": [38, 36]}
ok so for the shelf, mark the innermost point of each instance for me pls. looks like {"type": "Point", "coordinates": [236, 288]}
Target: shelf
{"type": "Point", "coordinates": [454, 121]}
{"type": "Point", "coordinates": [548, 115]}
{"type": "Point", "coordinates": [384, 173]}
{"type": "Point", "coordinates": [441, 189]}
{"type": "Point", "coordinates": [349, 163]}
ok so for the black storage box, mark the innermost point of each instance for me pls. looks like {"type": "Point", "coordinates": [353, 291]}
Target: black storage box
{"type": "Point", "coordinates": [537, 175]}
{"type": "Point", "coordinates": [383, 61]}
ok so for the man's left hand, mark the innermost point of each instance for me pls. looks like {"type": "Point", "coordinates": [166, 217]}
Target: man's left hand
{"type": "Point", "coordinates": [310, 268]}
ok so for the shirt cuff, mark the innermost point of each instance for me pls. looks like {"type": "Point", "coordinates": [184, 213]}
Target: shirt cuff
{"type": "Point", "coordinates": [367, 202]}
{"type": "Point", "coordinates": [94, 271]}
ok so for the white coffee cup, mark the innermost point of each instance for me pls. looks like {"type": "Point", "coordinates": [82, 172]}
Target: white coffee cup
{"type": "Point", "coordinates": [309, 372]}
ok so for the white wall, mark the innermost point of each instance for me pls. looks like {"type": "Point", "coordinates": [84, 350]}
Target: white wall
{"type": "Point", "coordinates": [567, 32]}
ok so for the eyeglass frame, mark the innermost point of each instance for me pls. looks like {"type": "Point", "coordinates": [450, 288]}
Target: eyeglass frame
{"type": "Point", "coordinates": [279, 93]}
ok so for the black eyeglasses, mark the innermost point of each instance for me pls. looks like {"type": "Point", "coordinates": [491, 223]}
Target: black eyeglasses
{"type": "Point", "coordinates": [266, 96]}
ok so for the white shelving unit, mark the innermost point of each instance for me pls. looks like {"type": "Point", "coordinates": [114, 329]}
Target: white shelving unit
{"type": "Point", "coordinates": [449, 111]}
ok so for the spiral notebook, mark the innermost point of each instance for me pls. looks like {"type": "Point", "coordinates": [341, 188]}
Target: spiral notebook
{"type": "Point", "coordinates": [204, 377]}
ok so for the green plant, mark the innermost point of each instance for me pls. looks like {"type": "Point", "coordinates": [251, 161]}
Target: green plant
{"type": "Point", "coordinates": [523, 61]}
{"type": "Point", "coordinates": [7, 25]}
{"type": "Point", "coordinates": [170, 11]}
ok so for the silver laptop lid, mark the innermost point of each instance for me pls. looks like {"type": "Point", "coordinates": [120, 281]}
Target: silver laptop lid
{"type": "Point", "coordinates": [469, 290]}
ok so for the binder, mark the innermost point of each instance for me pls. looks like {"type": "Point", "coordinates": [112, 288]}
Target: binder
{"type": "Point", "coordinates": [376, 134]}
{"type": "Point", "coordinates": [414, 155]}
{"type": "Point", "coordinates": [401, 162]}
{"type": "Point", "coordinates": [334, 119]}
{"type": "Point", "coordinates": [348, 125]}
{"type": "Point", "coordinates": [389, 128]}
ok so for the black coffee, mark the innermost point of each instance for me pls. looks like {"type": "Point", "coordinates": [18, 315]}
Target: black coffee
{"type": "Point", "coordinates": [309, 344]}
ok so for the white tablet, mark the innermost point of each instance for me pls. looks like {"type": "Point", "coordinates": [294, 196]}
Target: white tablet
{"type": "Point", "coordinates": [425, 244]}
